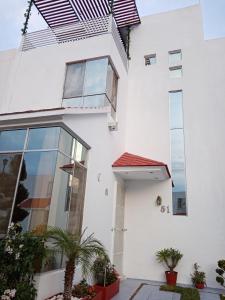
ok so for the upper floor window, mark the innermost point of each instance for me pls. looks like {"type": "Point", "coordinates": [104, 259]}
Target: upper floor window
{"type": "Point", "coordinates": [150, 59]}
{"type": "Point", "coordinates": [175, 57]}
{"type": "Point", "coordinates": [91, 83]}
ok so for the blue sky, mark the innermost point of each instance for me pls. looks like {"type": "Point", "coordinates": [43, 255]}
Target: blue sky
{"type": "Point", "coordinates": [12, 17]}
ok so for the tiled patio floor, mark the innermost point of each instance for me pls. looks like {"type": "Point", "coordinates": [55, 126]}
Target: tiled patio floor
{"type": "Point", "coordinates": [151, 291]}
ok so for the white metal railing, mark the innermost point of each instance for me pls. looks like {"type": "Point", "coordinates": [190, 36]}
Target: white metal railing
{"type": "Point", "coordinates": [74, 32]}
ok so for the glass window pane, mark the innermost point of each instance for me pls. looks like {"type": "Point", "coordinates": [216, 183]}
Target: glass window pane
{"type": "Point", "coordinates": [76, 205]}
{"type": "Point", "coordinates": [35, 189]}
{"type": "Point", "coordinates": [66, 142]}
{"type": "Point", "coordinates": [179, 192]}
{"type": "Point", "coordinates": [73, 102]}
{"type": "Point", "coordinates": [9, 169]}
{"type": "Point", "coordinates": [111, 86]}
{"type": "Point", "coordinates": [175, 72]}
{"type": "Point", "coordinates": [80, 153]}
{"type": "Point", "coordinates": [176, 110]}
{"type": "Point", "coordinates": [96, 101]}
{"type": "Point", "coordinates": [74, 81]}
{"type": "Point", "coordinates": [11, 140]}
{"type": "Point", "coordinates": [43, 138]}
{"type": "Point", "coordinates": [95, 76]}
{"type": "Point", "coordinates": [61, 192]}
{"type": "Point", "coordinates": [177, 149]}
{"type": "Point", "coordinates": [175, 58]}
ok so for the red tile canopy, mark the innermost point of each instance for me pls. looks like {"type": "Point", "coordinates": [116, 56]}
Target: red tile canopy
{"type": "Point", "coordinates": [65, 12]}
{"type": "Point", "coordinates": [131, 160]}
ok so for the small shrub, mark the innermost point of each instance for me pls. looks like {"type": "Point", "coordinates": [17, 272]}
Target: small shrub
{"type": "Point", "coordinates": [83, 290]}
{"type": "Point", "coordinates": [104, 272]}
{"type": "Point", "coordinates": [221, 272]}
{"type": "Point", "coordinates": [197, 276]}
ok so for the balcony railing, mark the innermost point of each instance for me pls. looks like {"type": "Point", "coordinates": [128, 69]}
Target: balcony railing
{"type": "Point", "coordinates": [74, 32]}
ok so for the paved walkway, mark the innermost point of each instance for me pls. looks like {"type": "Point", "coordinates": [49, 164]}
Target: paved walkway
{"type": "Point", "coordinates": [150, 291]}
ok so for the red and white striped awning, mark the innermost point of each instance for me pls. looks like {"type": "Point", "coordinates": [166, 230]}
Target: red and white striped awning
{"type": "Point", "coordinates": [65, 12]}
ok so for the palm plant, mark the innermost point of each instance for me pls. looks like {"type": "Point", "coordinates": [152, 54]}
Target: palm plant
{"type": "Point", "coordinates": [170, 257]}
{"type": "Point", "coordinates": [79, 250]}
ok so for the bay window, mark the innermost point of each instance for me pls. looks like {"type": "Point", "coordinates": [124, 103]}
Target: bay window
{"type": "Point", "coordinates": [91, 83]}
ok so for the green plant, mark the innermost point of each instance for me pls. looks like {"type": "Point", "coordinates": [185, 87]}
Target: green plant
{"type": "Point", "coordinates": [103, 271]}
{"type": "Point", "coordinates": [170, 257]}
{"type": "Point", "coordinates": [83, 290]}
{"type": "Point", "coordinates": [78, 250]}
{"type": "Point", "coordinates": [222, 297]}
{"type": "Point", "coordinates": [197, 276]}
{"type": "Point", "coordinates": [221, 272]}
{"type": "Point", "coordinates": [18, 253]}
{"type": "Point", "coordinates": [186, 293]}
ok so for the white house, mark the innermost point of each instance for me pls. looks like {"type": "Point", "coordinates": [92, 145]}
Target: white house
{"type": "Point", "coordinates": [90, 138]}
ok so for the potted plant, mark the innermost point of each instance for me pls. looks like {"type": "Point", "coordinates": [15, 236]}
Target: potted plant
{"type": "Point", "coordinates": [170, 257]}
{"type": "Point", "coordinates": [85, 291]}
{"type": "Point", "coordinates": [78, 250]}
{"type": "Point", "coordinates": [198, 278]}
{"type": "Point", "coordinates": [106, 278]}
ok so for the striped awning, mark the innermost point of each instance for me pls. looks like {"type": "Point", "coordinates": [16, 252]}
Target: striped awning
{"type": "Point", "coordinates": [65, 12]}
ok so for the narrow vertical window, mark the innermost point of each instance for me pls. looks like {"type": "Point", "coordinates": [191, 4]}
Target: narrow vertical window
{"type": "Point", "coordinates": [177, 153]}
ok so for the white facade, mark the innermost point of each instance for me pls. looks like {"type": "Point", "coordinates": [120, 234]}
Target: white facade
{"type": "Point", "coordinates": [123, 214]}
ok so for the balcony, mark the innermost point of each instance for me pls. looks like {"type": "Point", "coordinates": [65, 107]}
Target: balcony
{"type": "Point", "coordinates": [75, 32]}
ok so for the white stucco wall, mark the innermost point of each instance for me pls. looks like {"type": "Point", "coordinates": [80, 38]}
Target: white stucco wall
{"type": "Point", "coordinates": [200, 235]}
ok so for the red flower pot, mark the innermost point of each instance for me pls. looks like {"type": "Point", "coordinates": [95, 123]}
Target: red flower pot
{"type": "Point", "coordinates": [200, 285]}
{"type": "Point", "coordinates": [108, 291]}
{"type": "Point", "coordinates": [171, 277]}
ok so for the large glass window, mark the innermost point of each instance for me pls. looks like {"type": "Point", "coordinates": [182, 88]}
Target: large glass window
{"type": "Point", "coordinates": [90, 83]}
{"type": "Point", "coordinates": [177, 153]}
{"type": "Point", "coordinates": [37, 178]}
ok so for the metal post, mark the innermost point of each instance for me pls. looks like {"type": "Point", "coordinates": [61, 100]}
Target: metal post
{"type": "Point", "coordinates": [27, 16]}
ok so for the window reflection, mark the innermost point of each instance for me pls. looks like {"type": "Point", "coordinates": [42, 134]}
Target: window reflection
{"type": "Point", "coordinates": [12, 140]}
{"type": "Point", "coordinates": [34, 194]}
{"type": "Point", "coordinates": [177, 153]}
{"type": "Point", "coordinates": [43, 138]}
{"type": "Point", "coordinates": [74, 80]}
{"type": "Point", "coordinates": [9, 169]}
{"type": "Point", "coordinates": [66, 142]}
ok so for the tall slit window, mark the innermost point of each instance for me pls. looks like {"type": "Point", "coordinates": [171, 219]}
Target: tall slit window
{"type": "Point", "coordinates": [91, 83]}
{"type": "Point", "coordinates": [177, 152]}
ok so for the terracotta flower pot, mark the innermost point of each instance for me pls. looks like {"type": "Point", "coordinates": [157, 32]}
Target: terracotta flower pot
{"type": "Point", "coordinates": [171, 277]}
{"type": "Point", "coordinates": [200, 285]}
{"type": "Point", "coordinates": [108, 292]}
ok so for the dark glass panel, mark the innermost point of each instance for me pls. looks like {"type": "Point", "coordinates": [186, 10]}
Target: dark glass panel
{"type": "Point", "coordinates": [43, 138]}
{"type": "Point", "coordinates": [11, 140]}
{"type": "Point", "coordinates": [9, 169]}
{"type": "Point", "coordinates": [35, 189]}
{"type": "Point", "coordinates": [74, 80]}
